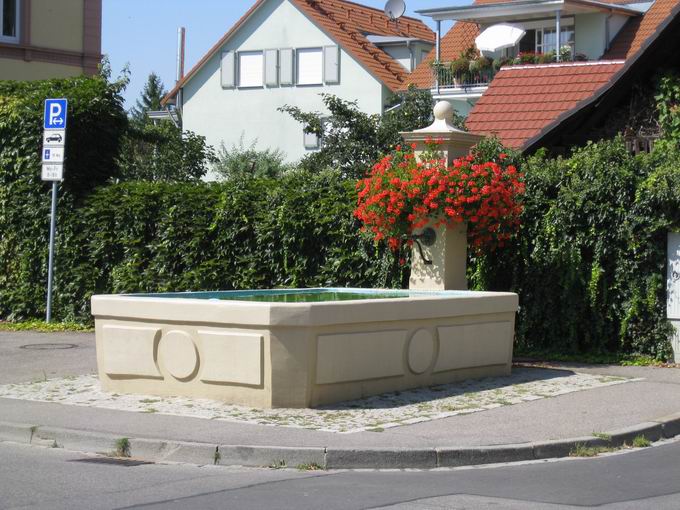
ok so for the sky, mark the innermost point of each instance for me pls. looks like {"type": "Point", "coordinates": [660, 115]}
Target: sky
{"type": "Point", "coordinates": [143, 33]}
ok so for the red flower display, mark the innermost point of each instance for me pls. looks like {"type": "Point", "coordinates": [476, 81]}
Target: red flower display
{"type": "Point", "coordinates": [401, 194]}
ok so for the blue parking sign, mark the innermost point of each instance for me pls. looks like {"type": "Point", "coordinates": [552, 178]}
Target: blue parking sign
{"type": "Point", "coordinates": [55, 113]}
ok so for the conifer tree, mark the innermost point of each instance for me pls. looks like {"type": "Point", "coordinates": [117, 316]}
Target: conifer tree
{"type": "Point", "coordinates": [150, 99]}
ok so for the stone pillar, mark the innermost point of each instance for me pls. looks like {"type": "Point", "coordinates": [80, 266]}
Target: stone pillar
{"type": "Point", "coordinates": [455, 143]}
{"type": "Point", "coordinates": [449, 261]}
{"type": "Point", "coordinates": [448, 254]}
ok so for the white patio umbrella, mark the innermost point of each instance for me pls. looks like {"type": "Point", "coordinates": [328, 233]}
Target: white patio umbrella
{"type": "Point", "coordinates": [497, 37]}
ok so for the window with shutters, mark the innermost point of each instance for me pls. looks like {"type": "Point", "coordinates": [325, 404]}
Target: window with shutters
{"type": "Point", "coordinates": [9, 20]}
{"type": "Point", "coordinates": [310, 66]}
{"type": "Point", "coordinates": [250, 69]}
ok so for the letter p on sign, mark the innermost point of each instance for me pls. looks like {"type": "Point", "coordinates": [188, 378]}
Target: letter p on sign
{"type": "Point", "coordinates": [55, 113]}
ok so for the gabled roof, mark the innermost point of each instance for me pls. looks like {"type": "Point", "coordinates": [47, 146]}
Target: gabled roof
{"type": "Point", "coordinates": [347, 23]}
{"type": "Point", "coordinates": [522, 100]}
{"type": "Point", "coordinates": [509, 108]}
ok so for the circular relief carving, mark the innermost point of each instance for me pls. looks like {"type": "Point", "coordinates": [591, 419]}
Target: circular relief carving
{"type": "Point", "coordinates": [421, 351]}
{"type": "Point", "coordinates": [179, 354]}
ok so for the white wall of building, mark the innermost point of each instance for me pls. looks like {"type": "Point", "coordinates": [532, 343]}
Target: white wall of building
{"type": "Point", "coordinates": [226, 116]}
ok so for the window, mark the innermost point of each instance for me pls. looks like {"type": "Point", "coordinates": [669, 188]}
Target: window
{"type": "Point", "coordinates": [310, 66]}
{"type": "Point", "coordinates": [546, 39]}
{"type": "Point", "coordinates": [250, 69]}
{"type": "Point", "coordinates": [312, 141]}
{"type": "Point", "coordinates": [9, 20]}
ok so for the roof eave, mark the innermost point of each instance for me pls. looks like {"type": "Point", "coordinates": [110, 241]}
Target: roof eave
{"type": "Point", "coordinates": [480, 13]}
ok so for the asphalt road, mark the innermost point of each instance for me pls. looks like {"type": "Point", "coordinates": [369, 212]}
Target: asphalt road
{"type": "Point", "coordinates": [41, 478]}
{"type": "Point", "coordinates": [27, 356]}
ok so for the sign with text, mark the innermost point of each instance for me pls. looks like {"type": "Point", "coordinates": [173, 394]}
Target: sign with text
{"type": "Point", "coordinates": [54, 139]}
{"type": "Point", "coordinates": [52, 172]}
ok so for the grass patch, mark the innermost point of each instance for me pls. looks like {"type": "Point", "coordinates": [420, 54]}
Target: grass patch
{"type": "Point", "coordinates": [641, 442]}
{"type": "Point", "coordinates": [278, 464]}
{"type": "Point", "coordinates": [376, 429]}
{"type": "Point", "coordinates": [44, 327]}
{"type": "Point", "coordinates": [581, 450]}
{"type": "Point", "coordinates": [122, 447]}
{"type": "Point", "coordinates": [309, 467]}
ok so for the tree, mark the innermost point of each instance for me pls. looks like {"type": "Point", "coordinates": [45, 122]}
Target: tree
{"type": "Point", "coordinates": [353, 140]}
{"type": "Point", "coordinates": [150, 99]}
{"type": "Point", "coordinates": [243, 162]}
{"type": "Point", "coordinates": [162, 152]}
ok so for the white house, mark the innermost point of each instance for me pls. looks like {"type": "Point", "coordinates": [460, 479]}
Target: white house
{"type": "Point", "coordinates": [288, 52]}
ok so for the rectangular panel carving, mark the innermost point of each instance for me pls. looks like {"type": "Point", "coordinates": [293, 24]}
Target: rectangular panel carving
{"type": "Point", "coordinates": [231, 357]}
{"type": "Point", "coordinates": [359, 356]}
{"type": "Point", "coordinates": [129, 350]}
{"type": "Point", "coordinates": [474, 345]}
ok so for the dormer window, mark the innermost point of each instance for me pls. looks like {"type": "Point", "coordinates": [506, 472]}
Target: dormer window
{"type": "Point", "coordinates": [9, 20]}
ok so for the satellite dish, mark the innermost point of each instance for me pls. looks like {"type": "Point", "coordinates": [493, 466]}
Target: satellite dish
{"type": "Point", "coordinates": [395, 9]}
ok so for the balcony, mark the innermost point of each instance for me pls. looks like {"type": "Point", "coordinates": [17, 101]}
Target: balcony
{"type": "Point", "coordinates": [445, 76]}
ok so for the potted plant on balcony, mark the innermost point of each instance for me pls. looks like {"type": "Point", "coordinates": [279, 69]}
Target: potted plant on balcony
{"type": "Point", "coordinates": [479, 68]}
{"type": "Point", "coordinates": [460, 71]}
{"type": "Point", "coordinates": [546, 58]}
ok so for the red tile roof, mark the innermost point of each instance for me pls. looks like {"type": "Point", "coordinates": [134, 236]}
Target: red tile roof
{"type": "Point", "coordinates": [634, 33]}
{"type": "Point", "coordinates": [456, 40]}
{"type": "Point", "coordinates": [347, 23]}
{"type": "Point", "coordinates": [522, 100]}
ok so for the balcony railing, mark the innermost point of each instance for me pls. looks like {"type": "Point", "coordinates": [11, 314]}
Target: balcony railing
{"type": "Point", "coordinates": [446, 78]}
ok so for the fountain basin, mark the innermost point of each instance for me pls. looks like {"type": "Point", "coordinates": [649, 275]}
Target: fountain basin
{"type": "Point", "coordinates": [300, 347]}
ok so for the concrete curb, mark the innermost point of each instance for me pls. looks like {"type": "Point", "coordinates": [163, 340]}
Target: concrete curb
{"type": "Point", "coordinates": [158, 450]}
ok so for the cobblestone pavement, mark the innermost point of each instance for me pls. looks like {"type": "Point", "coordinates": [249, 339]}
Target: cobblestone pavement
{"type": "Point", "coordinates": [373, 413]}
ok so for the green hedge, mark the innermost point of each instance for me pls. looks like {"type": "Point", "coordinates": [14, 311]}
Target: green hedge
{"type": "Point", "coordinates": [96, 123]}
{"type": "Point", "coordinates": [589, 262]}
{"type": "Point", "coordinates": [152, 237]}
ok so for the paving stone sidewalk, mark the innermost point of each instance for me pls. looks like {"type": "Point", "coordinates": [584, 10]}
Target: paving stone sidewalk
{"type": "Point", "coordinates": [374, 413]}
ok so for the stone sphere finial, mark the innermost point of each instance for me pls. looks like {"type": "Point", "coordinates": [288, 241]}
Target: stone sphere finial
{"type": "Point", "coordinates": [443, 110]}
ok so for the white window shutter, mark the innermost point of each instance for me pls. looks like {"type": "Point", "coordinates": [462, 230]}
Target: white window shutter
{"type": "Point", "coordinates": [228, 70]}
{"type": "Point", "coordinates": [331, 59]}
{"type": "Point", "coordinates": [271, 69]}
{"type": "Point", "coordinates": [287, 66]}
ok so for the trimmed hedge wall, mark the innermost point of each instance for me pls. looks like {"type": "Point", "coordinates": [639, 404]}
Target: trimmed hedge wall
{"type": "Point", "coordinates": [589, 262]}
{"type": "Point", "coordinates": [298, 231]}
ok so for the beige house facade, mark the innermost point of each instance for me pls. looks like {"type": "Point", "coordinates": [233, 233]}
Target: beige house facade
{"type": "Point", "coordinates": [42, 39]}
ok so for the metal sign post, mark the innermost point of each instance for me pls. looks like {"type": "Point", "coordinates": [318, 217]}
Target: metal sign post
{"type": "Point", "coordinates": [53, 156]}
